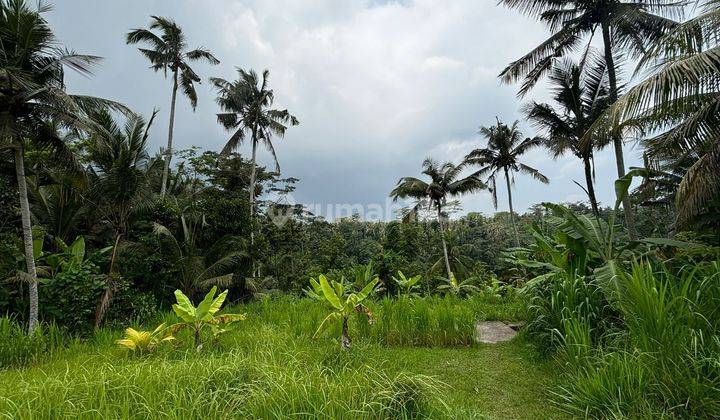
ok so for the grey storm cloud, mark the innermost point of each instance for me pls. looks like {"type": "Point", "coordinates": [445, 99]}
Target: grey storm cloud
{"type": "Point", "coordinates": [377, 85]}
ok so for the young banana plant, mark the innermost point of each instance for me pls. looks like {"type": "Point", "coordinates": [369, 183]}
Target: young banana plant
{"type": "Point", "coordinates": [407, 285]}
{"type": "Point", "coordinates": [458, 288]}
{"type": "Point", "coordinates": [202, 316]}
{"type": "Point", "coordinates": [343, 307]}
{"type": "Point", "coordinates": [144, 341]}
{"type": "Point", "coordinates": [315, 292]}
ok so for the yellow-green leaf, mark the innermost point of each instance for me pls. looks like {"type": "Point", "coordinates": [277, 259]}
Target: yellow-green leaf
{"type": "Point", "coordinates": [329, 293]}
{"type": "Point", "coordinates": [204, 306]}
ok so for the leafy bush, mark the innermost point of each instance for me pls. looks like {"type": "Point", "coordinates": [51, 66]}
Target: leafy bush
{"type": "Point", "coordinates": [71, 296]}
{"type": "Point", "coordinates": [129, 305]}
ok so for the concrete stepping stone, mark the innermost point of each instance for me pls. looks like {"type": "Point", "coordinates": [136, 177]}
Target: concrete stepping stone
{"type": "Point", "coordinates": [494, 332]}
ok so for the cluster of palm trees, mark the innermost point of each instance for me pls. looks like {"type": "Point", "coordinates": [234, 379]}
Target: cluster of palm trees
{"type": "Point", "coordinates": [678, 98]}
{"type": "Point", "coordinates": [119, 175]}
{"type": "Point", "coordinates": [505, 146]}
{"type": "Point", "coordinates": [245, 104]}
{"type": "Point", "coordinates": [675, 110]}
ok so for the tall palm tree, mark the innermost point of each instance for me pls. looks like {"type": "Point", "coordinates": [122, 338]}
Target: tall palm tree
{"type": "Point", "coordinates": [168, 50]}
{"type": "Point", "coordinates": [32, 96]}
{"type": "Point", "coordinates": [505, 147]}
{"type": "Point", "coordinates": [445, 182]}
{"type": "Point", "coordinates": [582, 95]}
{"type": "Point", "coordinates": [680, 98]}
{"type": "Point", "coordinates": [246, 106]}
{"type": "Point", "coordinates": [625, 26]}
{"type": "Point", "coordinates": [121, 174]}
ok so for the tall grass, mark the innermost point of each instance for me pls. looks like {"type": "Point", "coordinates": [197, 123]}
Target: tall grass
{"type": "Point", "coordinates": [266, 375]}
{"type": "Point", "coordinates": [427, 322]}
{"type": "Point", "coordinates": [270, 367]}
{"type": "Point", "coordinates": [661, 355]}
{"type": "Point", "coordinates": [568, 312]}
{"type": "Point", "coordinates": [18, 349]}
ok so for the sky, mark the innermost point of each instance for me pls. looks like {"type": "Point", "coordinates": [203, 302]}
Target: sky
{"type": "Point", "coordinates": [378, 86]}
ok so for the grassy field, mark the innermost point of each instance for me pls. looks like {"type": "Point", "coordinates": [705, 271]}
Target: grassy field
{"type": "Point", "coordinates": [272, 368]}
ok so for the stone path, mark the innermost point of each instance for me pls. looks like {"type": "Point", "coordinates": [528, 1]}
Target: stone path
{"type": "Point", "coordinates": [494, 332]}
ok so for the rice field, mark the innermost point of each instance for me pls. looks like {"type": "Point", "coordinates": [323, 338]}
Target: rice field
{"type": "Point", "coordinates": [418, 360]}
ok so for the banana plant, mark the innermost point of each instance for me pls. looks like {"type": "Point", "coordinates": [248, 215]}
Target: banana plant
{"type": "Point", "coordinates": [343, 307]}
{"type": "Point", "coordinates": [144, 341]}
{"type": "Point", "coordinates": [71, 256]}
{"type": "Point", "coordinates": [458, 288]}
{"type": "Point", "coordinates": [407, 285]}
{"type": "Point", "coordinates": [362, 274]}
{"type": "Point", "coordinates": [316, 293]}
{"type": "Point", "coordinates": [203, 316]}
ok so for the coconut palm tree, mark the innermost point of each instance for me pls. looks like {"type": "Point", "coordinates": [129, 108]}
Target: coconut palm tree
{"type": "Point", "coordinates": [582, 95]}
{"type": "Point", "coordinates": [680, 98]}
{"type": "Point", "coordinates": [504, 149]}
{"type": "Point", "coordinates": [121, 173]}
{"type": "Point", "coordinates": [33, 103]}
{"type": "Point", "coordinates": [625, 26]}
{"type": "Point", "coordinates": [168, 51]}
{"type": "Point", "coordinates": [444, 183]}
{"type": "Point", "coordinates": [246, 106]}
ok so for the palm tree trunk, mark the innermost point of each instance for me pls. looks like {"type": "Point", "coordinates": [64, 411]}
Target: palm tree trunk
{"type": "Point", "coordinates": [444, 244]}
{"type": "Point", "coordinates": [27, 236]}
{"type": "Point", "coordinates": [590, 186]}
{"type": "Point", "coordinates": [252, 178]}
{"type": "Point", "coordinates": [168, 151]}
{"type": "Point", "coordinates": [252, 195]}
{"type": "Point", "coordinates": [512, 213]}
{"type": "Point", "coordinates": [617, 140]}
{"type": "Point", "coordinates": [104, 303]}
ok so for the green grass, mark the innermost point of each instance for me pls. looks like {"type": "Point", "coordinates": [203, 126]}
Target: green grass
{"type": "Point", "coordinates": [505, 380]}
{"type": "Point", "coordinates": [271, 368]}
{"type": "Point", "coordinates": [657, 354]}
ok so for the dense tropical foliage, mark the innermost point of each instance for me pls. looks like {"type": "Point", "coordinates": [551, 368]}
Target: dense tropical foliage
{"type": "Point", "coordinates": [621, 302]}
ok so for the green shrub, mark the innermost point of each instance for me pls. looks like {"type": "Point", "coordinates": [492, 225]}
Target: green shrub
{"type": "Point", "coordinates": [129, 305]}
{"type": "Point", "coordinates": [71, 296]}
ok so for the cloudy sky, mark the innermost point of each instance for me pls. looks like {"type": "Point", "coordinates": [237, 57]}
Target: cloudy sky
{"type": "Point", "coordinates": [377, 85]}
